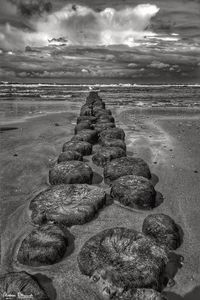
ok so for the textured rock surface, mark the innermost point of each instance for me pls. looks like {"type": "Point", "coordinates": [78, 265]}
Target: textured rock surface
{"type": "Point", "coordinates": [141, 294]}
{"type": "Point", "coordinates": [134, 191]}
{"type": "Point", "coordinates": [93, 97]}
{"type": "Point", "coordinates": [67, 204]}
{"type": "Point", "coordinates": [103, 126]}
{"type": "Point", "coordinates": [106, 154]}
{"type": "Point", "coordinates": [84, 148]}
{"type": "Point", "coordinates": [113, 143]}
{"type": "Point", "coordinates": [90, 119]}
{"type": "Point", "coordinates": [126, 166]}
{"type": "Point", "coordinates": [45, 245]}
{"type": "Point", "coordinates": [86, 135]}
{"type": "Point", "coordinates": [163, 229]}
{"type": "Point", "coordinates": [82, 125]}
{"type": "Point", "coordinates": [105, 119]}
{"type": "Point", "coordinates": [86, 110]}
{"type": "Point", "coordinates": [21, 282]}
{"type": "Point", "coordinates": [69, 155]}
{"type": "Point", "coordinates": [121, 259]}
{"type": "Point", "coordinates": [97, 112]}
{"type": "Point", "coordinates": [70, 172]}
{"type": "Point", "coordinates": [112, 133]}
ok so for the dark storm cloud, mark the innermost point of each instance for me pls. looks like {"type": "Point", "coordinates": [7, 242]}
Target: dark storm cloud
{"type": "Point", "coordinates": [32, 7]}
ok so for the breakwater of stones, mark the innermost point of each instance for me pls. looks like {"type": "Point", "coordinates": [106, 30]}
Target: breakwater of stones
{"type": "Point", "coordinates": [122, 262]}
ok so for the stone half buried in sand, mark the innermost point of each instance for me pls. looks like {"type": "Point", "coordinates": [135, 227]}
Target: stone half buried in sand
{"type": "Point", "coordinates": [70, 155]}
{"type": "Point", "coordinates": [106, 154]}
{"type": "Point", "coordinates": [112, 133]}
{"type": "Point", "coordinates": [113, 143]}
{"type": "Point", "coordinates": [163, 229]}
{"type": "Point", "coordinates": [45, 245]}
{"type": "Point", "coordinates": [119, 260]}
{"type": "Point", "coordinates": [21, 282]}
{"type": "Point", "coordinates": [67, 204]}
{"type": "Point", "coordinates": [134, 191]}
{"type": "Point", "coordinates": [86, 135]}
{"type": "Point", "coordinates": [126, 166]}
{"type": "Point", "coordinates": [84, 148]}
{"type": "Point", "coordinates": [82, 125]}
{"type": "Point", "coordinates": [70, 172]}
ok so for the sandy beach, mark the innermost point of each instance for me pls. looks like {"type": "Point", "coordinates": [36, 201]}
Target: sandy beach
{"type": "Point", "coordinates": [167, 139]}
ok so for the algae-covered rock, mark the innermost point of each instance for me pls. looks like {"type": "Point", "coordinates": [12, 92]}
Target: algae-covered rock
{"type": "Point", "coordinates": [113, 143]}
{"type": "Point", "coordinates": [84, 148]}
{"type": "Point", "coordinates": [121, 259]}
{"type": "Point", "coordinates": [21, 282]}
{"type": "Point", "coordinates": [86, 135]}
{"type": "Point", "coordinates": [69, 155]}
{"type": "Point", "coordinates": [134, 191]}
{"type": "Point", "coordinates": [112, 133]}
{"type": "Point", "coordinates": [70, 172]}
{"type": "Point", "coordinates": [67, 204]}
{"type": "Point", "coordinates": [126, 166]}
{"type": "Point", "coordinates": [163, 229]}
{"type": "Point", "coordinates": [106, 154]}
{"type": "Point", "coordinates": [45, 245]}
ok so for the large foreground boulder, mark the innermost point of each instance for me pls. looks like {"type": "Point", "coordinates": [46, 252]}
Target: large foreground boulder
{"type": "Point", "coordinates": [67, 204]}
{"type": "Point", "coordinates": [121, 259]}
{"type": "Point", "coordinates": [70, 155]}
{"type": "Point", "coordinates": [82, 125]}
{"type": "Point", "coordinates": [86, 135]}
{"type": "Point", "coordinates": [70, 172]}
{"type": "Point", "coordinates": [113, 143]}
{"type": "Point", "coordinates": [45, 245]}
{"type": "Point", "coordinates": [23, 283]}
{"type": "Point", "coordinates": [106, 154]}
{"type": "Point", "coordinates": [84, 148]}
{"type": "Point", "coordinates": [134, 191]}
{"type": "Point", "coordinates": [163, 229]}
{"type": "Point", "coordinates": [112, 133]}
{"type": "Point", "coordinates": [126, 166]}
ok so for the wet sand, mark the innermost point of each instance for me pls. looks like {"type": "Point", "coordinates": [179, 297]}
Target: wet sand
{"type": "Point", "coordinates": [168, 140]}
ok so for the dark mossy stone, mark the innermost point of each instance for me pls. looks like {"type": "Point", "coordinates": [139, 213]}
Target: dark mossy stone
{"type": "Point", "coordinates": [69, 155]}
{"type": "Point", "coordinates": [82, 125]}
{"type": "Point", "coordinates": [105, 119]}
{"type": "Point", "coordinates": [99, 127]}
{"type": "Point", "coordinates": [67, 204]}
{"type": "Point", "coordinates": [106, 154]}
{"type": "Point", "coordinates": [86, 110]}
{"type": "Point", "coordinates": [21, 282]}
{"type": "Point", "coordinates": [112, 133]}
{"type": "Point", "coordinates": [92, 98]}
{"type": "Point", "coordinates": [134, 191]}
{"type": "Point", "coordinates": [69, 172]}
{"type": "Point", "coordinates": [84, 148]}
{"type": "Point", "coordinates": [121, 259]}
{"type": "Point", "coordinates": [140, 294]}
{"type": "Point", "coordinates": [86, 135]}
{"type": "Point", "coordinates": [163, 229]}
{"type": "Point", "coordinates": [113, 143]}
{"type": "Point", "coordinates": [89, 119]}
{"type": "Point", "coordinates": [126, 166]}
{"type": "Point", "coordinates": [97, 112]}
{"type": "Point", "coordinates": [45, 245]}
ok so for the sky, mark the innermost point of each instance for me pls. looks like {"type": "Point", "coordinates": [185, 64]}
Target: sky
{"type": "Point", "coordinates": [96, 41]}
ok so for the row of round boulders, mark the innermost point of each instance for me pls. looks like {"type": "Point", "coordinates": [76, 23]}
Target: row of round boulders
{"type": "Point", "coordinates": [125, 166]}
{"type": "Point", "coordinates": [84, 148]}
{"type": "Point", "coordinates": [134, 191]}
{"type": "Point", "coordinates": [21, 283]}
{"type": "Point", "coordinates": [105, 154]}
{"type": "Point", "coordinates": [67, 205]}
{"type": "Point", "coordinates": [86, 135]}
{"type": "Point", "coordinates": [69, 172]}
{"type": "Point", "coordinates": [122, 259]}
{"type": "Point", "coordinates": [45, 245]}
{"type": "Point", "coordinates": [163, 229]}
{"type": "Point", "coordinates": [69, 155]}
{"type": "Point", "coordinates": [107, 142]}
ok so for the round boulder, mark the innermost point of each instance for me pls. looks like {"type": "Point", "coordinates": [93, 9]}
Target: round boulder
{"type": "Point", "coordinates": [121, 259]}
{"type": "Point", "coordinates": [112, 133]}
{"type": "Point", "coordinates": [113, 143]}
{"type": "Point", "coordinates": [86, 135]}
{"type": "Point", "coordinates": [69, 172]}
{"type": "Point", "coordinates": [103, 126]}
{"type": "Point", "coordinates": [21, 282]}
{"type": "Point", "coordinates": [106, 119]}
{"type": "Point", "coordinates": [67, 204]}
{"type": "Point", "coordinates": [101, 112]}
{"type": "Point", "coordinates": [134, 191]}
{"type": "Point", "coordinates": [69, 155]}
{"type": "Point", "coordinates": [126, 166]}
{"type": "Point", "coordinates": [89, 119]}
{"type": "Point", "coordinates": [82, 125]}
{"type": "Point", "coordinates": [163, 229]}
{"type": "Point", "coordinates": [45, 245]}
{"type": "Point", "coordinates": [106, 154]}
{"type": "Point", "coordinates": [84, 148]}
{"type": "Point", "coordinates": [86, 110]}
